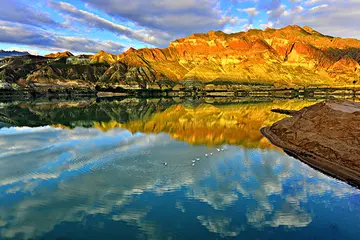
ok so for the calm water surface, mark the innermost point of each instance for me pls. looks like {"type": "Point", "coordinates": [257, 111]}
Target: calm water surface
{"type": "Point", "coordinates": [96, 170]}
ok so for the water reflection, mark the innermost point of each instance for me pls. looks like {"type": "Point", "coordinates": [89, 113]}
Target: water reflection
{"type": "Point", "coordinates": [83, 183]}
{"type": "Point", "coordinates": [197, 122]}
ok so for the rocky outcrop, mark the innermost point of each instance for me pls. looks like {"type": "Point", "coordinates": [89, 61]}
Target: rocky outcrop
{"type": "Point", "coordinates": [133, 77]}
{"type": "Point", "coordinates": [58, 75]}
{"type": "Point", "coordinates": [14, 70]}
{"type": "Point", "coordinates": [43, 74]}
{"type": "Point", "coordinates": [325, 136]}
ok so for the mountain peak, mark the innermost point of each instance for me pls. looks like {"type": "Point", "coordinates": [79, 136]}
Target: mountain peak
{"type": "Point", "coordinates": [131, 49]}
{"type": "Point", "coordinates": [59, 54]}
{"type": "Point", "coordinates": [293, 27]}
{"type": "Point", "coordinates": [104, 57]}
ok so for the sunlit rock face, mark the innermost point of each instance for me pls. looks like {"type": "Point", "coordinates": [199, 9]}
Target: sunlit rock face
{"type": "Point", "coordinates": [287, 57]}
{"type": "Point", "coordinates": [59, 54]}
{"type": "Point", "coordinates": [291, 56]}
{"type": "Point", "coordinates": [325, 135]}
{"type": "Point", "coordinates": [104, 57]}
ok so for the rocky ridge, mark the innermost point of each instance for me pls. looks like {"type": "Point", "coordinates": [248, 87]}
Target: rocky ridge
{"type": "Point", "coordinates": [274, 58]}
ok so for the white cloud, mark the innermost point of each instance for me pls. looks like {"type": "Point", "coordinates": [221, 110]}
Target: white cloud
{"type": "Point", "coordinates": [17, 11]}
{"type": "Point", "coordinates": [21, 34]}
{"type": "Point", "coordinates": [176, 18]}
{"type": "Point", "coordinates": [318, 8]}
{"type": "Point", "coordinates": [94, 21]}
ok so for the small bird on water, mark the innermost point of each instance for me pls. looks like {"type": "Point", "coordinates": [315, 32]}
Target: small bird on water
{"type": "Point", "coordinates": [197, 159]}
{"type": "Point", "coordinates": [165, 164]}
{"type": "Point", "coordinates": [193, 161]}
{"type": "Point", "coordinates": [206, 155]}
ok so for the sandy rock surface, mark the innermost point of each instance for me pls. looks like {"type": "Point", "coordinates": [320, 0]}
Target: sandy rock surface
{"type": "Point", "coordinates": [325, 136]}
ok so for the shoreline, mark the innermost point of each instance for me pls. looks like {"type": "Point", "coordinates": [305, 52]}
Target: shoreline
{"type": "Point", "coordinates": [26, 97]}
{"type": "Point", "coordinates": [246, 92]}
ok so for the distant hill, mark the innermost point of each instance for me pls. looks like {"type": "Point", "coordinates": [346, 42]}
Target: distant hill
{"type": "Point", "coordinates": [4, 54]}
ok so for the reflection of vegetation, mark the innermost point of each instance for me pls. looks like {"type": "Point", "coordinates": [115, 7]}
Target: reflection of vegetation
{"type": "Point", "coordinates": [199, 123]}
{"type": "Point", "coordinates": [79, 114]}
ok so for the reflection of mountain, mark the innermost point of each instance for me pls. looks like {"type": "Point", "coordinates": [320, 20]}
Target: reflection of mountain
{"type": "Point", "coordinates": [57, 176]}
{"type": "Point", "coordinates": [202, 123]}
{"type": "Point", "coordinates": [236, 124]}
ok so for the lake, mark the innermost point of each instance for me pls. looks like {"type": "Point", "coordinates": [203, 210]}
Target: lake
{"type": "Point", "coordinates": [161, 169]}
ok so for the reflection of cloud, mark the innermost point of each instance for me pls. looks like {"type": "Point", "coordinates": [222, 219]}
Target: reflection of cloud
{"type": "Point", "coordinates": [260, 176]}
{"type": "Point", "coordinates": [136, 218]}
{"type": "Point", "coordinates": [180, 206]}
{"type": "Point", "coordinates": [109, 167]}
{"type": "Point", "coordinates": [290, 219]}
{"type": "Point", "coordinates": [66, 175]}
{"type": "Point", "coordinates": [2, 223]}
{"type": "Point", "coordinates": [220, 225]}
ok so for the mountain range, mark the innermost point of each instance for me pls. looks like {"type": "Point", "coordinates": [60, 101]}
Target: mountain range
{"type": "Point", "coordinates": [292, 56]}
{"type": "Point", "coordinates": [5, 54]}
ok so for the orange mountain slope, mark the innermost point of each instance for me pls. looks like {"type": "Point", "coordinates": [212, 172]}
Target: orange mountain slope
{"type": "Point", "coordinates": [104, 57]}
{"type": "Point", "coordinates": [290, 56]}
{"type": "Point", "coordinates": [59, 54]}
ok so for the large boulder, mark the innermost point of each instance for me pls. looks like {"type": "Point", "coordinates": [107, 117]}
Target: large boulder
{"type": "Point", "coordinates": [325, 136]}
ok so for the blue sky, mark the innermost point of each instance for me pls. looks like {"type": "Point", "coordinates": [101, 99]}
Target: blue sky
{"type": "Point", "coordinates": [87, 26]}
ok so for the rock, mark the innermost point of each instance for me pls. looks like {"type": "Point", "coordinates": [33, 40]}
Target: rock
{"type": "Point", "coordinates": [326, 136]}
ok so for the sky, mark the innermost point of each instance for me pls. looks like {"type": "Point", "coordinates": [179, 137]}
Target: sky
{"type": "Point", "coordinates": [88, 26]}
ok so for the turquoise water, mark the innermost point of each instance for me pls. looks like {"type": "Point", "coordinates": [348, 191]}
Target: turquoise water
{"type": "Point", "coordinates": [87, 183]}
